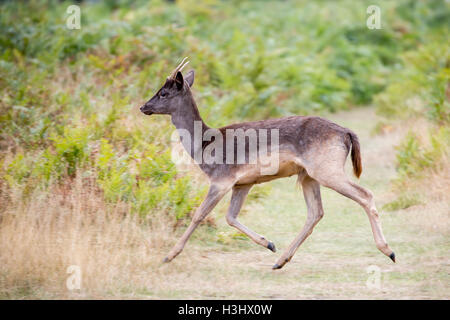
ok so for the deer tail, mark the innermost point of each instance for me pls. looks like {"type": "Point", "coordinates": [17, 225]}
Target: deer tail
{"type": "Point", "coordinates": [356, 154]}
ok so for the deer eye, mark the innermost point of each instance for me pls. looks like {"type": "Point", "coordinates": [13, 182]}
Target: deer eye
{"type": "Point", "coordinates": [164, 94]}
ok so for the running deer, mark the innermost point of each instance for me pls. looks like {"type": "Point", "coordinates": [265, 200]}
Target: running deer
{"type": "Point", "coordinates": [310, 147]}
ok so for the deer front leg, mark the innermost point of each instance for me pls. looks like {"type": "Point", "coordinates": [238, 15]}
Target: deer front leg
{"type": "Point", "coordinates": [215, 194]}
{"type": "Point", "coordinates": [237, 199]}
{"type": "Point", "coordinates": [311, 192]}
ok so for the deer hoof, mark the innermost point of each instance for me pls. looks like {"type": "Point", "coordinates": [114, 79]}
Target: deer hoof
{"type": "Point", "coordinates": [392, 256]}
{"type": "Point", "coordinates": [271, 246]}
{"type": "Point", "coordinates": [166, 260]}
{"type": "Point", "coordinates": [276, 266]}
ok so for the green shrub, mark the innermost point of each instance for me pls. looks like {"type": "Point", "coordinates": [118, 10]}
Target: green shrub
{"type": "Point", "coordinates": [150, 183]}
{"type": "Point", "coordinates": [402, 202]}
{"type": "Point", "coordinates": [71, 148]}
{"type": "Point", "coordinates": [420, 86]}
{"type": "Point", "coordinates": [413, 157]}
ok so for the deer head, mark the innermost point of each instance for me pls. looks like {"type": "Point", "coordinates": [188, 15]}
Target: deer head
{"type": "Point", "coordinates": [173, 94]}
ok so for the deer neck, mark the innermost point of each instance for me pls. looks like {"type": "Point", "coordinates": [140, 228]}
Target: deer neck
{"type": "Point", "coordinates": [190, 127]}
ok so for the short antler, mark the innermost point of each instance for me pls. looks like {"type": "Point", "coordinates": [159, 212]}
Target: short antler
{"type": "Point", "coordinates": [179, 68]}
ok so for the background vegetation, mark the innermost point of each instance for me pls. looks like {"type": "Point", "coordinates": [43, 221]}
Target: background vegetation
{"type": "Point", "coordinates": [75, 152]}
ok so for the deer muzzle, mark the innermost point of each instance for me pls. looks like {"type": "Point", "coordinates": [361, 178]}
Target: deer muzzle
{"type": "Point", "coordinates": [145, 109]}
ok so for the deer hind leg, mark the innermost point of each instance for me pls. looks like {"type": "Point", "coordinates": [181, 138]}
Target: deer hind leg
{"type": "Point", "coordinates": [311, 192]}
{"type": "Point", "coordinates": [364, 197]}
{"type": "Point", "coordinates": [237, 199]}
{"type": "Point", "coordinates": [215, 194]}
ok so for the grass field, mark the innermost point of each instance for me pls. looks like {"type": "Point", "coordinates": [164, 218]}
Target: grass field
{"type": "Point", "coordinates": [333, 262]}
{"type": "Point", "coordinates": [121, 258]}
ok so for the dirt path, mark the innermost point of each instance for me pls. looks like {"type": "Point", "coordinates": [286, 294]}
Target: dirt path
{"type": "Point", "coordinates": [334, 261]}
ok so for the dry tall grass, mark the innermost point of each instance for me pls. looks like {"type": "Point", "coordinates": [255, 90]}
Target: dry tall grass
{"type": "Point", "coordinates": [40, 239]}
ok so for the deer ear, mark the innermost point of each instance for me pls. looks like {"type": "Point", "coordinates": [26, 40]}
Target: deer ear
{"type": "Point", "coordinates": [190, 78]}
{"type": "Point", "coordinates": [179, 80]}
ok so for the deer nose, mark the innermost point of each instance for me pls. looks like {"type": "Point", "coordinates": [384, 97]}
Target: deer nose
{"type": "Point", "coordinates": [144, 111]}
{"type": "Point", "coordinates": [143, 108]}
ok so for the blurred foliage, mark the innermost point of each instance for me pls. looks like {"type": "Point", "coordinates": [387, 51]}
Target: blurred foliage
{"type": "Point", "coordinates": [421, 86]}
{"type": "Point", "coordinates": [66, 95]}
{"type": "Point", "coordinates": [414, 155]}
{"type": "Point", "coordinates": [403, 202]}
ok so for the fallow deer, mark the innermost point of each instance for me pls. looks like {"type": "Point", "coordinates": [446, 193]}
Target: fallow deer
{"type": "Point", "coordinates": [310, 147]}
